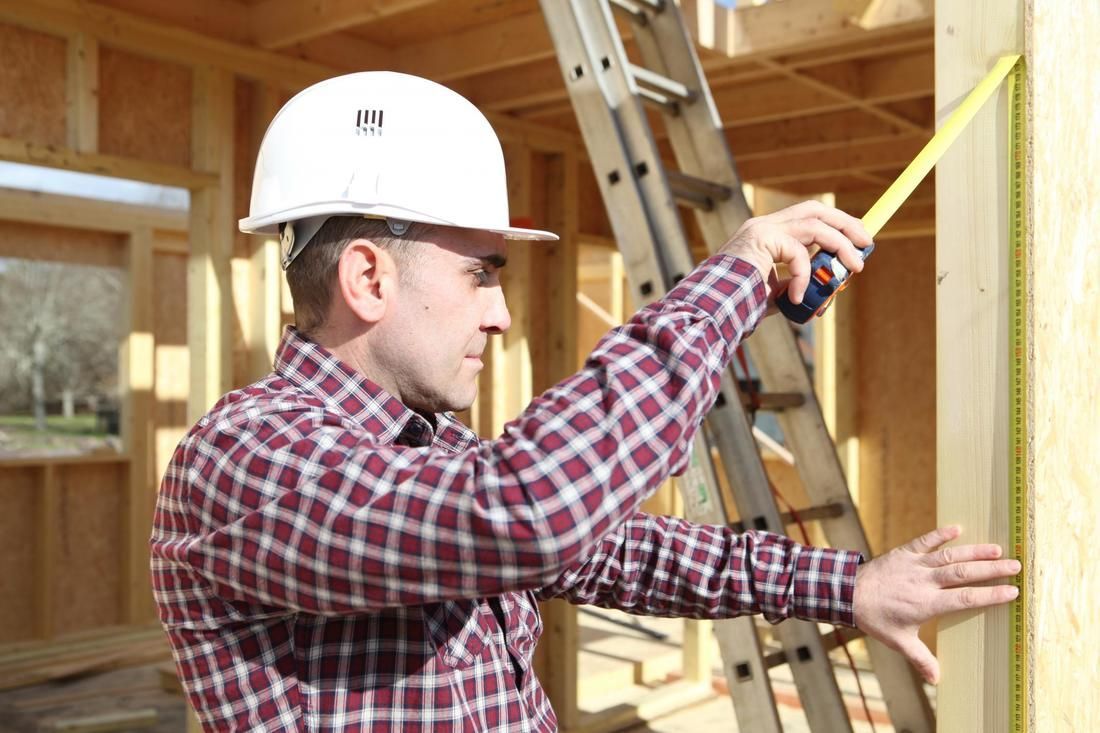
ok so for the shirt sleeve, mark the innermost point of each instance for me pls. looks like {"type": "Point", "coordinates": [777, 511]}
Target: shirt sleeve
{"type": "Point", "coordinates": [293, 508]}
{"type": "Point", "coordinates": [666, 566]}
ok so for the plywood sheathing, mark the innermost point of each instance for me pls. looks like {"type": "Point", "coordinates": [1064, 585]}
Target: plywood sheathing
{"type": "Point", "coordinates": [159, 127]}
{"type": "Point", "coordinates": [19, 490]}
{"type": "Point", "coordinates": [60, 244]}
{"type": "Point", "coordinates": [32, 86]}
{"type": "Point", "coordinates": [88, 536]}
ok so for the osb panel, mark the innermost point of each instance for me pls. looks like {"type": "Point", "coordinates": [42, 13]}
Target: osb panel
{"type": "Point", "coordinates": [170, 305]}
{"type": "Point", "coordinates": [32, 86]}
{"type": "Point", "coordinates": [144, 108]}
{"type": "Point", "coordinates": [86, 581]}
{"type": "Point", "coordinates": [18, 488]}
{"type": "Point", "coordinates": [60, 244]}
{"type": "Point", "coordinates": [896, 358]}
{"type": "Point", "coordinates": [1063, 372]}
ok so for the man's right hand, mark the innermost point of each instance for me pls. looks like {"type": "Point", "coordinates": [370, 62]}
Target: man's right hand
{"type": "Point", "coordinates": [785, 236]}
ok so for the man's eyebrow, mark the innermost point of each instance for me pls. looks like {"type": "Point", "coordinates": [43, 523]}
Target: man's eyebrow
{"type": "Point", "coordinates": [496, 260]}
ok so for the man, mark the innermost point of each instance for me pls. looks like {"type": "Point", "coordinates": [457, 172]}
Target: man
{"type": "Point", "coordinates": [333, 550]}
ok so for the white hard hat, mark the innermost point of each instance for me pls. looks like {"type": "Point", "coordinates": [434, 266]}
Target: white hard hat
{"type": "Point", "coordinates": [382, 145]}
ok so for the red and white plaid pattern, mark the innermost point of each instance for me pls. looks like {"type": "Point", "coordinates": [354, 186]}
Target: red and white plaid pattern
{"type": "Point", "coordinates": [325, 559]}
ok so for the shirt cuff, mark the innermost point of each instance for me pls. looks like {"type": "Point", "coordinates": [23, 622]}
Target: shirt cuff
{"type": "Point", "coordinates": [824, 585]}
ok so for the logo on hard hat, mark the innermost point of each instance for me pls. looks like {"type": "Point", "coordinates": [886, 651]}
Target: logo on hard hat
{"type": "Point", "coordinates": [368, 122]}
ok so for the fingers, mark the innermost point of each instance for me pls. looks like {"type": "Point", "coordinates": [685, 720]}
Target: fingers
{"type": "Point", "coordinates": [794, 255]}
{"type": "Point", "coordinates": [921, 657]}
{"type": "Point", "coordinates": [930, 541]}
{"type": "Point", "coordinates": [963, 599]}
{"type": "Point", "coordinates": [829, 238]}
{"type": "Point", "coordinates": [962, 553]}
{"type": "Point", "coordinates": [852, 227]}
{"type": "Point", "coordinates": [968, 573]}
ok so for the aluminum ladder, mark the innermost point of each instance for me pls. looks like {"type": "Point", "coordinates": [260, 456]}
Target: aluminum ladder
{"type": "Point", "coordinates": [609, 94]}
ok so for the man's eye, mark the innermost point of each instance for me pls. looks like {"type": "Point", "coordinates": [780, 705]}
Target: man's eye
{"type": "Point", "coordinates": [483, 277]}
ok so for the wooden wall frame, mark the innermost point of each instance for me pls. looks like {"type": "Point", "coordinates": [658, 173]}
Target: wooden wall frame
{"type": "Point", "coordinates": [1062, 380]}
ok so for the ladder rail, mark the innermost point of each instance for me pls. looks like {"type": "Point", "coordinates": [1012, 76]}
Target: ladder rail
{"type": "Point", "coordinates": [626, 121]}
{"type": "Point", "coordinates": [701, 149]}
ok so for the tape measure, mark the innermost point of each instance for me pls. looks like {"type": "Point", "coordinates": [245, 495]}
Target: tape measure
{"type": "Point", "coordinates": [1018, 392]}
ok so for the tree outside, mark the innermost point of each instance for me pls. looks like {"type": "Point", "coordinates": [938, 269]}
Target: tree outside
{"type": "Point", "coordinates": [60, 326]}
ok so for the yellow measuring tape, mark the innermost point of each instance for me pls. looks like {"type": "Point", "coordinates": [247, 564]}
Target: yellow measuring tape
{"type": "Point", "coordinates": [1012, 68]}
{"type": "Point", "coordinates": [1017, 382]}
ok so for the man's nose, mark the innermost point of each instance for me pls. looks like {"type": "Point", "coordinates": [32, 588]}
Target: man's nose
{"type": "Point", "coordinates": [496, 318]}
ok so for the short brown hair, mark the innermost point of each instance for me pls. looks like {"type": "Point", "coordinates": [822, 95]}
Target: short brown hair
{"type": "Point", "coordinates": [313, 272]}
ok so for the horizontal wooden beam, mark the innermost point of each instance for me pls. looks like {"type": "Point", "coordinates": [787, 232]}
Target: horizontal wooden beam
{"type": "Point", "coordinates": [763, 31]}
{"type": "Point", "coordinates": [157, 40]}
{"type": "Point", "coordinates": [808, 134]}
{"type": "Point", "coordinates": [780, 98]}
{"type": "Point", "coordinates": [280, 23]}
{"type": "Point", "coordinates": [750, 31]}
{"type": "Point", "coordinates": [782, 168]}
{"type": "Point", "coordinates": [52, 156]}
{"type": "Point", "coordinates": [33, 207]}
{"type": "Point", "coordinates": [502, 44]}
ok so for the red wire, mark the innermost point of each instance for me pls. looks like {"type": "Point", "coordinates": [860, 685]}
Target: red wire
{"type": "Point", "coordinates": [754, 400]}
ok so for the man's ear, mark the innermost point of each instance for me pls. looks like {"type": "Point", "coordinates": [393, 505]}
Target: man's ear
{"type": "Point", "coordinates": [368, 277]}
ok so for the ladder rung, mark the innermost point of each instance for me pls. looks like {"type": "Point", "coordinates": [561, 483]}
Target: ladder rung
{"type": "Point", "coordinates": [696, 191]}
{"type": "Point", "coordinates": [671, 105]}
{"type": "Point", "coordinates": [829, 641]}
{"type": "Point", "coordinates": [809, 514]}
{"type": "Point", "coordinates": [773, 401]}
{"type": "Point", "coordinates": [634, 10]}
{"type": "Point", "coordinates": [630, 8]}
{"type": "Point", "coordinates": [661, 84]}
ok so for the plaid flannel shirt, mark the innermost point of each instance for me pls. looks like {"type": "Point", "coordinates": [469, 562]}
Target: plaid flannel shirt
{"type": "Point", "coordinates": [325, 559]}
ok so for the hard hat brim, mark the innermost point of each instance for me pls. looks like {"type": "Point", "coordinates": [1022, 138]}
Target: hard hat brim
{"type": "Point", "coordinates": [270, 224]}
{"type": "Point", "coordinates": [530, 235]}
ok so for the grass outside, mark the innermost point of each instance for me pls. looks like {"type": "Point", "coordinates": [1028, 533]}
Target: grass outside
{"type": "Point", "coordinates": [63, 436]}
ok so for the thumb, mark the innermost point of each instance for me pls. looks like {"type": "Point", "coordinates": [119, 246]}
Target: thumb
{"type": "Point", "coordinates": [921, 657]}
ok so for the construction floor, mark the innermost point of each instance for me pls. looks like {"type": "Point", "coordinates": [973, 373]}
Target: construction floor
{"type": "Point", "coordinates": [618, 666]}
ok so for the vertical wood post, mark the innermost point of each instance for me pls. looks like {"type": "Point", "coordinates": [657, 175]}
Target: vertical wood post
{"type": "Point", "coordinates": [82, 93]}
{"type": "Point", "coordinates": [209, 292]}
{"type": "Point", "coordinates": [136, 384]}
{"type": "Point", "coordinates": [265, 270]}
{"type": "Point", "coordinates": [554, 321]}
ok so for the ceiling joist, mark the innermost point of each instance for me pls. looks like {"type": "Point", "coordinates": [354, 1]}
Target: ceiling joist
{"type": "Point", "coordinates": [280, 23]}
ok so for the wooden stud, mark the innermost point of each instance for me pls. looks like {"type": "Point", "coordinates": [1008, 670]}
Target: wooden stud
{"type": "Point", "coordinates": [82, 92]}
{"type": "Point", "coordinates": [511, 359]}
{"type": "Point", "coordinates": [554, 322]}
{"type": "Point", "coordinates": [971, 354]}
{"type": "Point", "coordinates": [136, 378]}
{"type": "Point", "coordinates": [209, 298]}
{"type": "Point", "coordinates": [265, 269]}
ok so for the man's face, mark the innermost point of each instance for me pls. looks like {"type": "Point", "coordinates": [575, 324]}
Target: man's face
{"type": "Point", "coordinates": [448, 302]}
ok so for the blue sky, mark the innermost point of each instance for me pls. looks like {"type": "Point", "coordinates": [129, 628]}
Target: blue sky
{"type": "Point", "coordinates": [104, 188]}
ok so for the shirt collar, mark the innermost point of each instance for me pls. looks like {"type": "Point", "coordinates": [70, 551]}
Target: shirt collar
{"type": "Point", "coordinates": [315, 370]}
